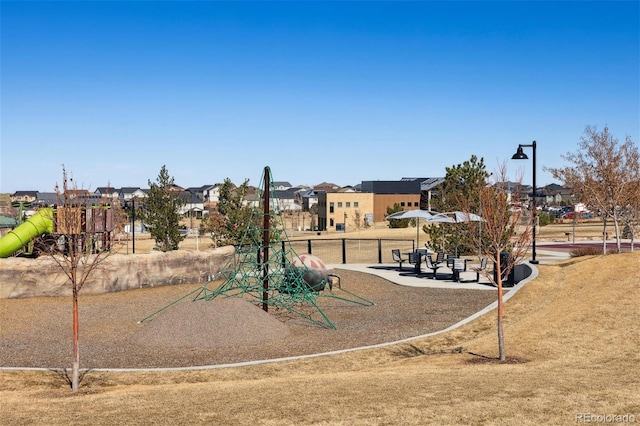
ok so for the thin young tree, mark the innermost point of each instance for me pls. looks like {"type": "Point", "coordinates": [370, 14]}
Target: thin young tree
{"type": "Point", "coordinates": [630, 215]}
{"type": "Point", "coordinates": [630, 208]}
{"type": "Point", "coordinates": [84, 242]}
{"type": "Point", "coordinates": [504, 230]}
{"type": "Point", "coordinates": [605, 174]}
{"type": "Point", "coordinates": [358, 220]}
{"type": "Point", "coordinates": [313, 220]}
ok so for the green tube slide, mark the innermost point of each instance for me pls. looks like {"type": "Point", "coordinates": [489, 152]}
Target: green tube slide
{"type": "Point", "coordinates": [38, 224]}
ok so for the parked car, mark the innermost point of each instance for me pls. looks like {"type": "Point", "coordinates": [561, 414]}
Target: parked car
{"type": "Point", "coordinates": [581, 215]}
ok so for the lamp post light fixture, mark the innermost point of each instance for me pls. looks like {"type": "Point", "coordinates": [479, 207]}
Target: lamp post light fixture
{"type": "Point", "coordinates": [520, 155]}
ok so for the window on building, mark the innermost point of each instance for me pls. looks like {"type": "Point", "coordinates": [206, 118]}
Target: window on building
{"type": "Point", "coordinates": [415, 204]}
{"type": "Point", "coordinates": [339, 204]}
{"type": "Point", "coordinates": [402, 204]}
{"type": "Point", "coordinates": [331, 208]}
{"type": "Point", "coordinates": [355, 204]}
{"type": "Point", "coordinates": [348, 204]}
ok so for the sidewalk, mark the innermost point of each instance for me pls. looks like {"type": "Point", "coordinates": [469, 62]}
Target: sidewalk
{"type": "Point", "coordinates": [545, 256]}
{"type": "Point", "coordinates": [408, 278]}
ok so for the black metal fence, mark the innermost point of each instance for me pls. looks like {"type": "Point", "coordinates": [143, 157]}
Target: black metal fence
{"type": "Point", "coordinates": [348, 250]}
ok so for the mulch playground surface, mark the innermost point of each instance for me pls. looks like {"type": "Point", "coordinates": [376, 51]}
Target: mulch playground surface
{"type": "Point", "coordinates": [37, 332]}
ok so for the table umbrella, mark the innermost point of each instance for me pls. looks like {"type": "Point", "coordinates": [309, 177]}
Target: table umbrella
{"type": "Point", "coordinates": [459, 217]}
{"type": "Point", "coordinates": [427, 215]}
{"type": "Point", "coordinates": [456, 217]}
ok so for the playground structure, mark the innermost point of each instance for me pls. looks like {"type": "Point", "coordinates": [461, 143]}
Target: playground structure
{"type": "Point", "coordinates": [266, 271]}
{"type": "Point", "coordinates": [93, 225]}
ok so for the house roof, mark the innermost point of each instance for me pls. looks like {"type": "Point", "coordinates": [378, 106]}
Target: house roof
{"type": "Point", "coordinates": [106, 190]}
{"type": "Point", "coordinates": [283, 195]}
{"type": "Point", "coordinates": [327, 187]}
{"type": "Point", "coordinates": [22, 193]}
{"type": "Point", "coordinates": [205, 187]}
{"type": "Point", "coordinates": [430, 183]}
{"type": "Point", "coordinates": [426, 183]}
{"type": "Point", "coordinates": [190, 197]}
{"type": "Point", "coordinates": [129, 189]}
{"type": "Point", "coordinates": [553, 189]}
{"type": "Point", "coordinates": [47, 198]}
{"type": "Point", "coordinates": [310, 193]}
{"type": "Point", "coordinates": [346, 189]}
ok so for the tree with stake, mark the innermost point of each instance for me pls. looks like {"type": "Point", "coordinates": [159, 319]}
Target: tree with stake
{"type": "Point", "coordinates": [503, 231]}
{"type": "Point", "coordinates": [83, 245]}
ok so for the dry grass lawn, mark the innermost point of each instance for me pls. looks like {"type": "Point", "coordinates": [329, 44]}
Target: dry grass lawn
{"type": "Point", "coordinates": [571, 337]}
{"type": "Point", "coordinates": [585, 230]}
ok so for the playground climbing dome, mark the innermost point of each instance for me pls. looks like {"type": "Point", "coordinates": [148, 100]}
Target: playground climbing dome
{"type": "Point", "coordinates": [266, 271]}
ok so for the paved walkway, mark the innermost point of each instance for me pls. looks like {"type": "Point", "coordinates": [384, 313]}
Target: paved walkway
{"type": "Point", "coordinates": [406, 276]}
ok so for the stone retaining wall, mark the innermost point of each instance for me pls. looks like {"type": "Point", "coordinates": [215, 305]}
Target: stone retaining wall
{"type": "Point", "coordinates": [21, 277]}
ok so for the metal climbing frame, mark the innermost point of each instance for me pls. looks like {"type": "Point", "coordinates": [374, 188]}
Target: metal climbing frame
{"type": "Point", "coordinates": [261, 270]}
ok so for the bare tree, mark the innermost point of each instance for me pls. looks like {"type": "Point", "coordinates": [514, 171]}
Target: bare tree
{"type": "Point", "coordinates": [504, 236]}
{"type": "Point", "coordinates": [358, 220]}
{"type": "Point", "coordinates": [83, 232]}
{"type": "Point", "coordinates": [605, 174]}
{"type": "Point", "coordinates": [630, 212]}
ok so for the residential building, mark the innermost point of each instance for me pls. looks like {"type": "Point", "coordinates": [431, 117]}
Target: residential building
{"type": "Point", "coordinates": [406, 193]}
{"type": "Point", "coordinates": [46, 199]}
{"type": "Point", "coordinates": [109, 192]}
{"type": "Point", "coordinates": [338, 211]}
{"type": "Point", "coordinates": [193, 207]}
{"type": "Point", "coordinates": [281, 186]}
{"type": "Point", "coordinates": [127, 193]}
{"type": "Point", "coordinates": [307, 198]}
{"type": "Point", "coordinates": [556, 195]}
{"type": "Point", "coordinates": [327, 187]}
{"type": "Point", "coordinates": [211, 193]}
{"type": "Point", "coordinates": [287, 199]}
{"type": "Point", "coordinates": [24, 196]}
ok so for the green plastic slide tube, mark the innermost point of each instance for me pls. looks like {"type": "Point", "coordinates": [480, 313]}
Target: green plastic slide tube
{"type": "Point", "coordinates": [38, 224]}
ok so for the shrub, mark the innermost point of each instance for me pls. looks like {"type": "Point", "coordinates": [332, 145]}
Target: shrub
{"type": "Point", "coordinates": [545, 218]}
{"type": "Point", "coordinates": [586, 251]}
{"type": "Point", "coordinates": [626, 231]}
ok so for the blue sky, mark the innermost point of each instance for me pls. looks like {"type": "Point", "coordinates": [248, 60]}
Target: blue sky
{"type": "Point", "coordinates": [318, 91]}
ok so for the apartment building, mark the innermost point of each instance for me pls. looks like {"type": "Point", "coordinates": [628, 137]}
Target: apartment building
{"type": "Point", "coordinates": [338, 211]}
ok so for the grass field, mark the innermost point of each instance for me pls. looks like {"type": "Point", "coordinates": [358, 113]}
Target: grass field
{"type": "Point", "coordinates": [571, 341]}
{"type": "Point", "coordinates": [563, 231]}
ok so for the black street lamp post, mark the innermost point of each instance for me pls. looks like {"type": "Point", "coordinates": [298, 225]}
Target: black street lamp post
{"type": "Point", "coordinates": [520, 155]}
{"type": "Point", "coordinates": [133, 224]}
